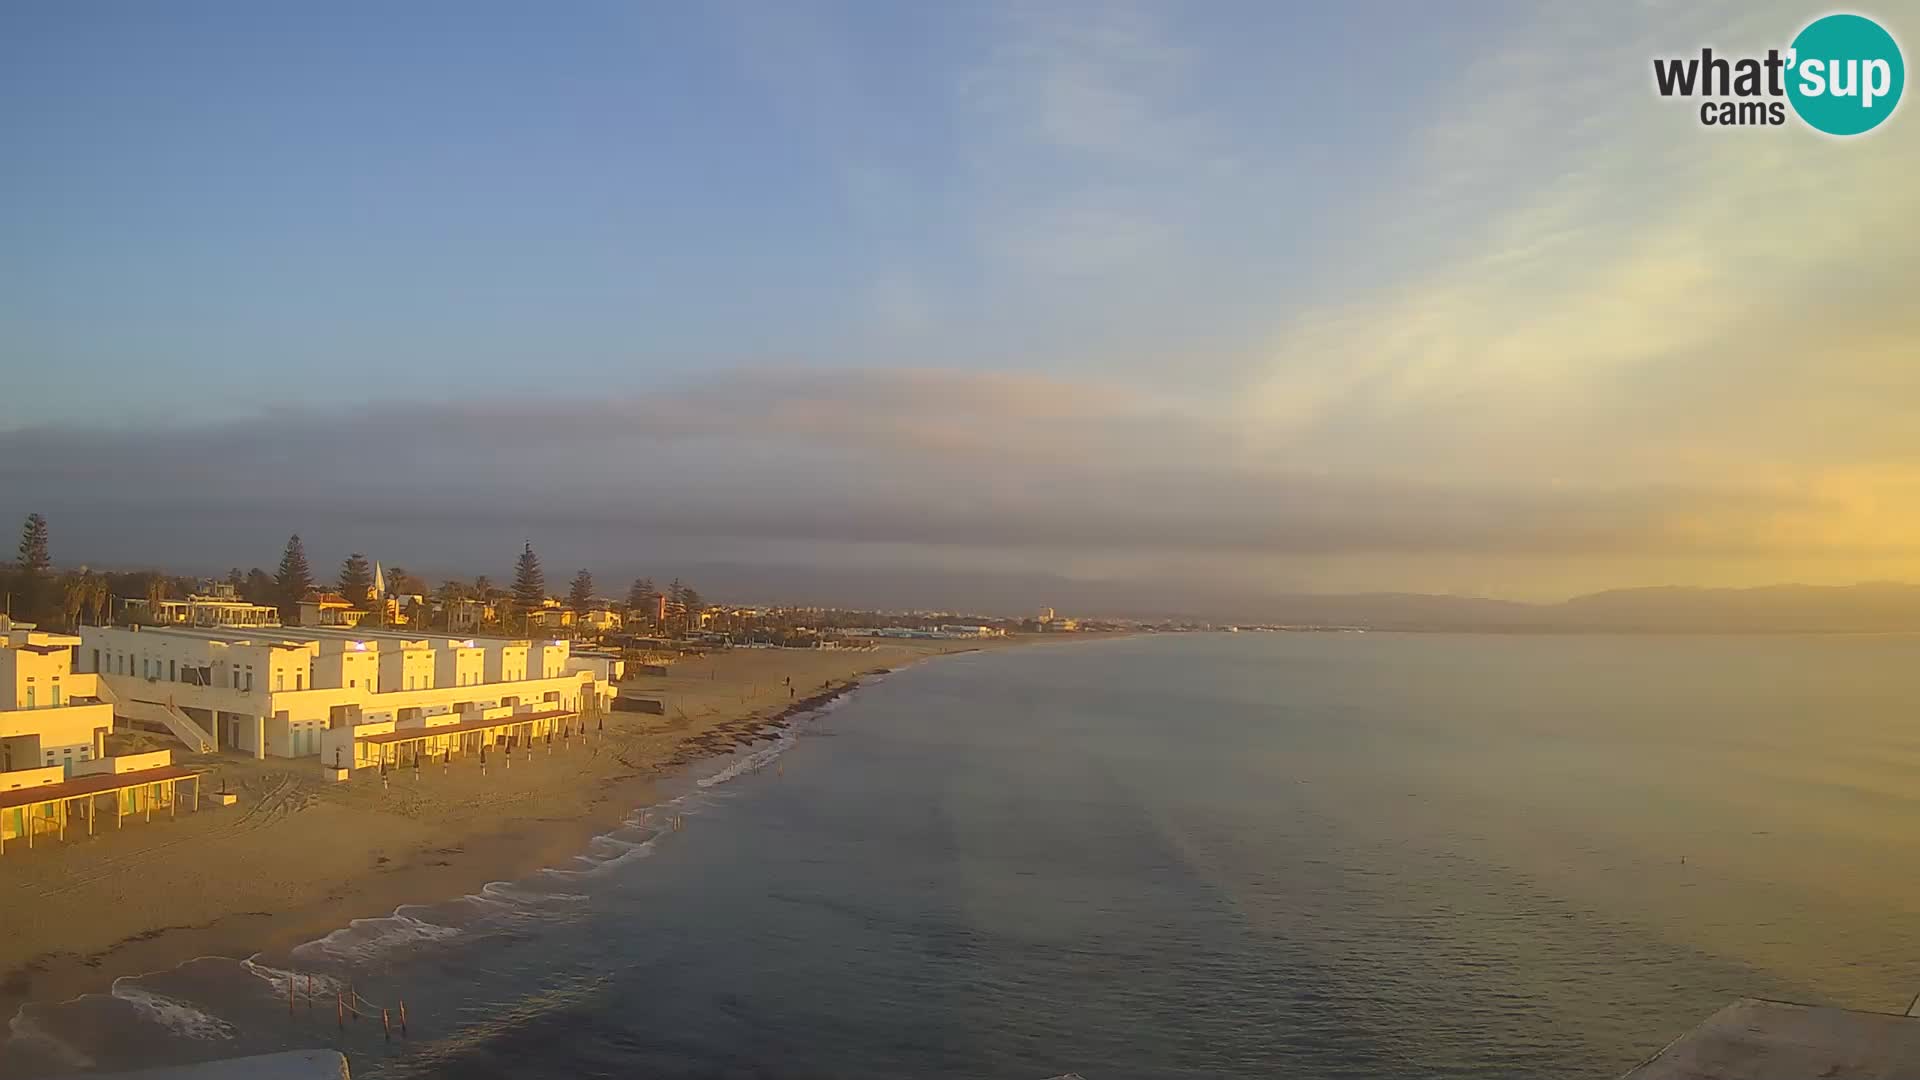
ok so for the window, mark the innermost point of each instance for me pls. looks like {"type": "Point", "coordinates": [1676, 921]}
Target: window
{"type": "Point", "coordinates": [279, 680]}
{"type": "Point", "coordinates": [299, 679]}
{"type": "Point", "coordinates": [172, 676]}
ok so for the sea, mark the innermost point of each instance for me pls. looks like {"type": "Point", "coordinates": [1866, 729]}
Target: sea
{"type": "Point", "coordinates": [1307, 855]}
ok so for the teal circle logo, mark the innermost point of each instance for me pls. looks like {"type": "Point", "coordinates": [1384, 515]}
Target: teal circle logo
{"type": "Point", "coordinates": [1846, 74]}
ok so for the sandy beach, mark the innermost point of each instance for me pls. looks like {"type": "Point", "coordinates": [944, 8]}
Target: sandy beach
{"type": "Point", "coordinates": [299, 856]}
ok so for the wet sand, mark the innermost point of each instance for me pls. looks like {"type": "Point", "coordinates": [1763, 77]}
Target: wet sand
{"type": "Point", "coordinates": [299, 856]}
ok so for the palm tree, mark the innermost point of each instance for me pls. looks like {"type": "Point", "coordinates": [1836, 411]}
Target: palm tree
{"type": "Point", "coordinates": [156, 591]}
{"type": "Point", "coordinates": [102, 601]}
{"type": "Point", "coordinates": [75, 590]}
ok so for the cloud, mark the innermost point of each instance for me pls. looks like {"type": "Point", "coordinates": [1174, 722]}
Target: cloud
{"type": "Point", "coordinates": [942, 461]}
{"type": "Point", "coordinates": [1594, 287]}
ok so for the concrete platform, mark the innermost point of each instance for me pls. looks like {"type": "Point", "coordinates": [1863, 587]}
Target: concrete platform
{"type": "Point", "coordinates": [1776, 1040]}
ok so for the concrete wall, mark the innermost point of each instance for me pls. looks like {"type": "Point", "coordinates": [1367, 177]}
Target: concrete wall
{"type": "Point", "coordinates": [37, 738]}
{"type": "Point", "coordinates": [506, 661]}
{"type": "Point", "coordinates": [459, 665]}
{"type": "Point", "coordinates": [346, 669]}
{"type": "Point", "coordinates": [407, 669]}
{"type": "Point", "coordinates": [548, 659]}
{"type": "Point", "coordinates": [603, 668]}
{"type": "Point", "coordinates": [126, 763]}
{"type": "Point", "coordinates": [20, 778]}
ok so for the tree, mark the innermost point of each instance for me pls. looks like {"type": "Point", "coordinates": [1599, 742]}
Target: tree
{"type": "Point", "coordinates": [158, 589]}
{"type": "Point", "coordinates": [76, 593]}
{"type": "Point", "coordinates": [356, 579]}
{"type": "Point", "coordinates": [236, 579]}
{"type": "Point", "coordinates": [402, 583]}
{"type": "Point", "coordinates": [529, 584]}
{"type": "Point", "coordinates": [258, 588]}
{"type": "Point", "coordinates": [580, 593]}
{"type": "Point", "coordinates": [449, 594]}
{"type": "Point", "coordinates": [642, 597]}
{"type": "Point", "coordinates": [102, 600]}
{"type": "Point", "coordinates": [483, 588]}
{"type": "Point", "coordinates": [676, 601]}
{"type": "Point", "coordinates": [34, 559]}
{"type": "Point", "coordinates": [295, 579]}
{"type": "Point", "coordinates": [691, 605]}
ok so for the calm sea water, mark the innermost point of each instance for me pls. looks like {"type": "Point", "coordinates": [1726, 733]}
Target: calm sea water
{"type": "Point", "coordinates": [1343, 855]}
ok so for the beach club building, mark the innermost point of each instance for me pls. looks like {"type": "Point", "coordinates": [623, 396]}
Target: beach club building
{"type": "Point", "coordinates": [51, 717]}
{"type": "Point", "coordinates": [278, 693]}
{"type": "Point", "coordinates": [55, 773]}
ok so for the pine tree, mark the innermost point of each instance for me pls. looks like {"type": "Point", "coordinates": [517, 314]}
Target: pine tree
{"type": "Point", "coordinates": [641, 597]}
{"type": "Point", "coordinates": [32, 594]}
{"type": "Point", "coordinates": [529, 584]}
{"type": "Point", "coordinates": [676, 601]}
{"type": "Point", "coordinates": [580, 593]}
{"type": "Point", "coordinates": [356, 579]}
{"type": "Point", "coordinates": [693, 605]}
{"type": "Point", "coordinates": [34, 559]}
{"type": "Point", "coordinates": [295, 579]}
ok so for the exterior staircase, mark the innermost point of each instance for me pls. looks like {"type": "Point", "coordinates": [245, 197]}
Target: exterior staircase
{"type": "Point", "coordinates": [164, 713]}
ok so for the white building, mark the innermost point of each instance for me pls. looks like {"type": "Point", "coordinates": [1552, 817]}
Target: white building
{"type": "Point", "coordinates": [219, 606]}
{"type": "Point", "coordinates": [50, 716]}
{"type": "Point", "coordinates": [275, 693]}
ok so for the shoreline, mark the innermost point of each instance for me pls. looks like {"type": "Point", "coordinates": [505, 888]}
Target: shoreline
{"type": "Point", "coordinates": [413, 843]}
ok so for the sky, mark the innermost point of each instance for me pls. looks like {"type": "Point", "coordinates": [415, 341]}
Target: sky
{"type": "Point", "coordinates": [1256, 297]}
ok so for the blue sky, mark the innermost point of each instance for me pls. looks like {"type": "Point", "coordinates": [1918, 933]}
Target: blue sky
{"type": "Point", "coordinates": [246, 197]}
{"type": "Point", "coordinates": [1376, 295]}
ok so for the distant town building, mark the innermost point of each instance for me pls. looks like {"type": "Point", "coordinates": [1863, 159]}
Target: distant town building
{"type": "Point", "coordinates": [601, 616]}
{"type": "Point", "coordinates": [217, 607]}
{"type": "Point", "coordinates": [328, 609]}
{"type": "Point", "coordinates": [468, 616]}
{"type": "Point", "coordinates": [550, 617]}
